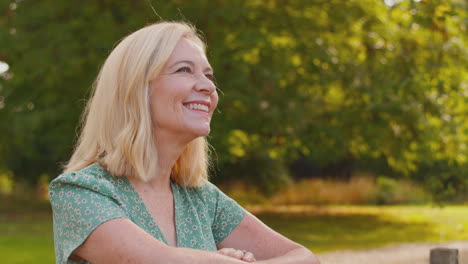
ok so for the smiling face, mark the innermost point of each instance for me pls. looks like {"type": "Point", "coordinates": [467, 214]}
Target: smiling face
{"type": "Point", "coordinates": [183, 96]}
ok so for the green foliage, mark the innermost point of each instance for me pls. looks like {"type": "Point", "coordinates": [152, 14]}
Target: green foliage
{"type": "Point", "coordinates": [392, 191]}
{"type": "Point", "coordinates": [448, 182]}
{"type": "Point", "coordinates": [387, 190]}
{"type": "Point", "coordinates": [328, 80]}
{"type": "Point", "coordinates": [259, 171]}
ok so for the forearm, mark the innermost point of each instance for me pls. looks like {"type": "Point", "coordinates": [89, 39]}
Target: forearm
{"type": "Point", "coordinates": [295, 256]}
{"type": "Point", "coordinates": [195, 256]}
{"type": "Point", "coordinates": [121, 241]}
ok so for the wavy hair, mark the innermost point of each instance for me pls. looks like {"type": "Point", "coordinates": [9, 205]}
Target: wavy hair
{"type": "Point", "coordinates": [116, 124]}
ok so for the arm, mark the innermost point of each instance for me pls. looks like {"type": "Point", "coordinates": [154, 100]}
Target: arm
{"type": "Point", "coordinates": [295, 256]}
{"type": "Point", "coordinates": [121, 241]}
{"type": "Point", "coordinates": [268, 246]}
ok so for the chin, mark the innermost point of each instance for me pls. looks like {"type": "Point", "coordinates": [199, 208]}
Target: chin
{"type": "Point", "coordinates": [201, 132]}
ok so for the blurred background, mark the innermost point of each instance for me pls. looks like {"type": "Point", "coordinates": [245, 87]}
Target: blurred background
{"type": "Point", "coordinates": [341, 124]}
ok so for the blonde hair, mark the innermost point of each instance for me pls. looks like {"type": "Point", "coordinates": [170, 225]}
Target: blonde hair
{"type": "Point", "coordinates": [117, 126]}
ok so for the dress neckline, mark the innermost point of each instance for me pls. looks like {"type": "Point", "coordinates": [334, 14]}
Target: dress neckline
{"type": "Point", "coordinates": [149, 217]}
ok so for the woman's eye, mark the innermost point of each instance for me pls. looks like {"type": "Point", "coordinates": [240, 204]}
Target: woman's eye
{"type": "Point", "coordinates": [210, 77]}
{"type": "Point", "coordinates": [184, 69]}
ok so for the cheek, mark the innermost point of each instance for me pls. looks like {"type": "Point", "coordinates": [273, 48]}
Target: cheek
{"type": "Point", "coordinates": [214, 100]}
{"type": "Point", "coordinates": [164, 98]}
{"type": "Point", "coordinates": [155, 111]}
{"type": "Point", "coordinates": [159, 106]}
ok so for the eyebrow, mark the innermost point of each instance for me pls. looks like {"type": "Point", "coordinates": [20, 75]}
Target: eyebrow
{"type": "Point", "coordinates": [191, 63]}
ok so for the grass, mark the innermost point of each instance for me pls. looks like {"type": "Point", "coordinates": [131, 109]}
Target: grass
{"type": "Point", "coordinates": [331, 228]}
{"type": "Point", "coordinates": [26, 227]}
{"type": "Point", "coordinates": [26, 232]}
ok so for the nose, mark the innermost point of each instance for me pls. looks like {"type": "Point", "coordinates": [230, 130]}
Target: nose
{"type": "Point", "coordinates": [205, 85]}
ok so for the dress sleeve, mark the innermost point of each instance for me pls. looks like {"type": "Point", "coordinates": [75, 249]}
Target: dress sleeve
{"type": "Point", "coordinates": [80, 203]}
{"type": "Point", "coordinates": [227, 213]}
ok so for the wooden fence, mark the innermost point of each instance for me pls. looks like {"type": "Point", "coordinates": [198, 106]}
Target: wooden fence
{"type": "Point", "coordinates": [444, 256]}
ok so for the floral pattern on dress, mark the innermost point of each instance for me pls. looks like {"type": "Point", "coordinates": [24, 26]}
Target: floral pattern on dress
{"type": "Point", "coordinates": [83, 200]}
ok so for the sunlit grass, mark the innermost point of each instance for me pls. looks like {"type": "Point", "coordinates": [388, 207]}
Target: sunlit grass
{"type": "Point", "coordinates": [358, 227]}
{"type": "Point", "coordinates": [26, 228]}
{"type": "Point", "coordinates": [26, 238]}
{"type": "Point", "coordinates": [25, 231]}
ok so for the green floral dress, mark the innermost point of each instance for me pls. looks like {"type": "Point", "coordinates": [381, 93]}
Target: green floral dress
{"type": "Point", "coordinates": [83, 200]}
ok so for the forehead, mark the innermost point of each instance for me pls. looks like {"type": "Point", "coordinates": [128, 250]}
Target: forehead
{"type": "Point", "coordinates": [188, 49]}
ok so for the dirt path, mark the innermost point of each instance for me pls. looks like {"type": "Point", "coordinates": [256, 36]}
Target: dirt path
{"type": "Point", "coordinates": [411, 253]}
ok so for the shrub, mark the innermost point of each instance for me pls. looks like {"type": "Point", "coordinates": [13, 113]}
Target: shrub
{"type": "Point", "coordinates": [360, 189]}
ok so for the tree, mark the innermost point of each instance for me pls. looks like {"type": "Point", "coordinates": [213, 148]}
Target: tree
{"type": "Point", "coordinates": [336, 82]}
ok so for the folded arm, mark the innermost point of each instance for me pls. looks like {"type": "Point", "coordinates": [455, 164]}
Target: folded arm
{"type": "Point", "coordinates": [268, 246]}
{"type": "Point", "coordinates": [121, 241]}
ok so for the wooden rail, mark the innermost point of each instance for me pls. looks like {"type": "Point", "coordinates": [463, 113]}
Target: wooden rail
{"type": "Point", "coordinates": [444, 256]}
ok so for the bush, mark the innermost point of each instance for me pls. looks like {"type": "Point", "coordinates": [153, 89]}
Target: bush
{"type": "Point", "coordinates": [392, 191]}
{"type": "Point", "coordinates": [359, 190]}
{"type": "Point", "coordinates": [447, 182]}
{"type": "Point", "coordinates": [262, 173]}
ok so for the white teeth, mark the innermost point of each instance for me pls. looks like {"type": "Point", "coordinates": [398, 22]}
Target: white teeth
{"type": "Point", "coordinates": [197, 107]}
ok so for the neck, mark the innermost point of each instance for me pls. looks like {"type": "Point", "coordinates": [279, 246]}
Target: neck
{"type": "Point", "coordinates": [170, 147]}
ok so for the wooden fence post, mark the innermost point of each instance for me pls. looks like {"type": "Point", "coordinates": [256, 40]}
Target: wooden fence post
{"type": "Point", "coordinates": [444, 256]}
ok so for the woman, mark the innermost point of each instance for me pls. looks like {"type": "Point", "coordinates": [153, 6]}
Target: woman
{"type": "Point", "coordinates": [135, 189]}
